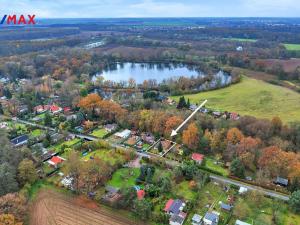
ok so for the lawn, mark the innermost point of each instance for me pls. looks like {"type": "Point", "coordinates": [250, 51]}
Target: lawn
{"type": "Point", "coordinates": [106, 155]}
{"type": "Point", "coordinates": [253, 97]}
{"type": "Point", "coordinates": [124, 177]}
{"type": "Point", "coordinates": [36, 133]}
{"type": "Point", "coordinates": [184, 192]}
{"type": "Point", "coordinates": [210, 164]}
{"type": "Point", "coordinates": [69, 143]}
{"type": "Point", "coordinates": [292, 47]}
{"type": "Point", "coordinates": [241, 39]}
{"type": "Point", "coordinates": [100, 132]}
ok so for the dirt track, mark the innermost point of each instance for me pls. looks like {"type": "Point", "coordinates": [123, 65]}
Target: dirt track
{"type": "Point", "coordinates": [52, 208]}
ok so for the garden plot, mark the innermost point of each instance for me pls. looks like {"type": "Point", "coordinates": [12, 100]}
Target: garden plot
{"type": "Point", "coordinates": [100, 132]}
{"type": "Point", "coordinates": [162, 147]}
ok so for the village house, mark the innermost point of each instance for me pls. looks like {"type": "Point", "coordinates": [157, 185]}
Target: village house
{"type": "Point", "coordinates": [239, 222]}
{"type": "Point", "coordinates": [197, 219]}
{"type": "Point", "coordinates": [39, 109]}
{"type": "Point", "coordinates": [198, 158]}
{"type": "Point", "coordinates": [21, 140]}
{"type": "Point", "coordinates": [54, 109]}
{"type": "Point", "coordinates": [225, 207]}
{"type": "Point", "coordinates": [175, 209]}
{"type": "Point", "coordinates": [234, 116]}
{"type": "Point", "coordinates": [4, 125]}
{"type": "Point", "coordinates": [140, 194]}
{"type": "Point", "coordinates": [211, 218]}
{"type": "Point", "coordinates": [281, 181]}
{"type": "Point", "coordinates": [148, 138]}
{"type": "Point", "coordinates": [111, 196]}
{"type": "Point", "coordinates": [110, 127]}
{"type": "Point", "coordinates": [177, 219]}
{"type": "Point", "coordinates": [124, 134]}
{"type": "Point", "coordinates": [55, 161]}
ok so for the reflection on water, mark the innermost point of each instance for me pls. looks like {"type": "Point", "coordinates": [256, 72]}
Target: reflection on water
{"type": "Point", "coordinates": [145, 71]}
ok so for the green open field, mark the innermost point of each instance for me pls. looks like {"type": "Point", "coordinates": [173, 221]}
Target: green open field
{"type": "Point", "coordinates": [253, 97]}
{"type": "Point", "coordinates": [100, 132]}
{"type": "Point", "coordinates": [292, 47]}
{"type": "Point", "coordinates": [241, 39]}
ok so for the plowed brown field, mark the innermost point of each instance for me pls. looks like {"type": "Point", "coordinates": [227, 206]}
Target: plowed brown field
{"type": "Point", "coordinates": [52, 208]}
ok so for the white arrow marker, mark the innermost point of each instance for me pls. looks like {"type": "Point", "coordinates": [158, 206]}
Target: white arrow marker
{"type": "Point", "coordinates": [174, 132]}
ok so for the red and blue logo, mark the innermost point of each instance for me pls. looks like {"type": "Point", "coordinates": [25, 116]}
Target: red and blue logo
{"type": "Point", "coordinates": [18, 20]}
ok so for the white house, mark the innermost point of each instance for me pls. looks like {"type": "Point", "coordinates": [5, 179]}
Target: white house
{"type": "Point", "coordinates": [124, 134]}
{"type": "Point", "coordinates": [239, 222]}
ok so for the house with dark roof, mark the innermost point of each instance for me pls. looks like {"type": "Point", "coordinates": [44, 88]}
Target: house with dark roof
{"type": "Point", "coordinates": [177, 219]}
{"type": "Point", "coordinates": [174, 206]}
{"type": "Point", "coordinates": [225, 207]}
{"type": "Point", "coordinates": [281, 181]}
{"type": "Point", "coordinates": [211, 218]}
{"type": "Point", "coordinates": [21, 140]}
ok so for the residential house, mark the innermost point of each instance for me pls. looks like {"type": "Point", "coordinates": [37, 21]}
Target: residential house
{"type": "Point", "coordinates": [193, 107]}
{"type": "Point", "coordinates": [242, 190]}
{"type": "Point", "coordinates": [54, 109]}
{"type": "Point", "coordinates": [110, 127]}
{"type": "Point", "coordinates": [21, 140]}
{"type": "Point", "coordinates": [239, 48]}
{"type": "Point", "coordinates": [148, 138]}
{"type": "Point", "coordinates": [124, 134]}
{"type": "Point", "coordinates": [234, 116]}
{"type": "Point", "coordinates": [211, 218]}
{"type": "Point", "coordinates": [4, 125]}
{"type": "Point", "coordinates": [39, 109]}
{"type": "Point", "coordinates": [56, 137]}
{"type": "Point", "coordinates": [174, 206]}
{"type": "Point", "coordinates": [198, 158]}
{"type": "Point", "coordinates": [239, 222]}
{"type": "Point", "coordinates": [112, 195]}
{"type": "Point", "coordinates": [23, 109]}
{"type": "Point", "coordinates": [177, 219]}
{"type": "Point", "coordinates": [71, 117]}
{"type": "Point", "coordinates": [281, 181]}
{"type": "Point", "coordinates": [226, 207]}
{"type": "Point", "coordinates": [197, 219]}
{"type": "Point", "coordinates": [55, 161]}
{"type": "Point", "coordinates": [140, 194]}
{"type": "Point", "coordinates": [67, 110]}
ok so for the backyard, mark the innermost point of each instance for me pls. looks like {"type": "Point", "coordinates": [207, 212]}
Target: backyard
{"type": "Point", "coordinates": [99, 132]}
{"type": "Point", "coordinates": [124, 177]}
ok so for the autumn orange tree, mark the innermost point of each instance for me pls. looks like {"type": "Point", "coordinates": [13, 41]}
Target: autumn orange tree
{"type": "Point", "coordinates": [190, 136]}
{"type": "Point", "coordinates": [90, 102]}
{"type": "Point", "coordinates": [234, 136]}
{"type": "Point", "coordinates": [172, 123]}
{"type": "Point", "coordinates": [8, 219]}
{"type": "Point", "coordinates": [247, 151]}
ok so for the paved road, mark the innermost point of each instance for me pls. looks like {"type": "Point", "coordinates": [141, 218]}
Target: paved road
{"type": "Point", "coordinates": [174, 163]}
{"type": "Point", "coordinates": [250, 187]}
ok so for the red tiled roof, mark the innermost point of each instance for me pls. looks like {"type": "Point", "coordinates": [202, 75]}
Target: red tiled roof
{"type": "Point", "coordinates": [140, 194]}
{"type": "Point", "coordinates": [197, 157]}
{"type": "Point", "coordinates": [67, 109]}
{"type": "Point", "coordinates": [56, 160]}
{"type": "Point", "coordinates": [168, 205]}
{"type": "Point", "coordinates": [54, 108]}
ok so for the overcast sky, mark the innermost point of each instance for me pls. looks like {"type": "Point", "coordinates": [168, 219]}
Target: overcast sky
{"type": "Point", "coordinates": [152, 8]}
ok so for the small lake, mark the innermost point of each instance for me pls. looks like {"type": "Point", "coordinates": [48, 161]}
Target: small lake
{"type": "Point", "coordinates": [146, 71]}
